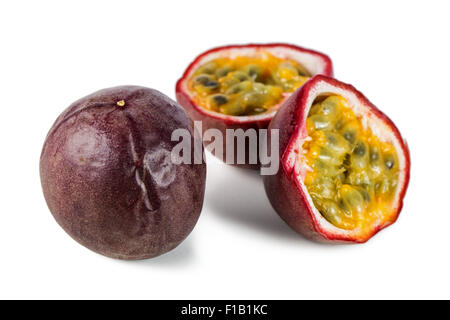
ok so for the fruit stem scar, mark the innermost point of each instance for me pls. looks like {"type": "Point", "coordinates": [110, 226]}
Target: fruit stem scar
{"type": "Point", "coordinates": [121, 103]}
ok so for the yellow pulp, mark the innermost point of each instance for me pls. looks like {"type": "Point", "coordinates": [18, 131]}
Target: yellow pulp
{"type": "Point", "coordinates": [246, 85]}
{"type": "Point", "coordinates": [354, 175]}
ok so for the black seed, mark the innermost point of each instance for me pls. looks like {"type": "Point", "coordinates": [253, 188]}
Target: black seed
{"type": "Point", "coordinates": [242, 77]}
{"type": "Point", "coordinates": [389, 164]}
{"type": "Point", "coordinates": [377, 186]}
{"type": "Point", "coordinates": [222, 72]}
{"type": "Point", "coordinates": [365, 195]}
{"type": "Point", "coordinates": [349, 136]}
{"type": "Point", "coordinates": [346, 161]}
{"type": "Point", "coordinates": [208, 68]}
{"type": "Point", "coordinates": [254, 71]}
{"type": "Point", "coordinates": [339, 124]}
{"type": "Point", "coordinates": [202, 79]}
{"type": "Point", "coordinates": [332, 139]}
{"type": "Point", "coordinates": [211, 84]}
{"type": "Point", "coordinates": [374, 156]}
{"type": "Point", "coordinates": [360, 149]}
{"type": "Point", "coordinates": [220, 99]}
{"type": "Point", "coordinates": [236, 89]}
{"type": "Point", "coordinates": [303, 73]}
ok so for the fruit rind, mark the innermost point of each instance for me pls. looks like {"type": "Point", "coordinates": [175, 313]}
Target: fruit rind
{"type": "Point", "coordinates": [315, 62]}
{"type": "Point", "coordinates": [286, 189]}
{"type": "Point", "coordinates": [107, 177]}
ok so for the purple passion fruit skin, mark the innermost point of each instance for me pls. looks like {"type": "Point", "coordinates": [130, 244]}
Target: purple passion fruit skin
{"type": "Point", "coordinates": [108, 178]}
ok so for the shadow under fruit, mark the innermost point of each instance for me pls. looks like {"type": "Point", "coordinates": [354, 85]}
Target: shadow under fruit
{"type": "Point", "coordinates": [108, 178]}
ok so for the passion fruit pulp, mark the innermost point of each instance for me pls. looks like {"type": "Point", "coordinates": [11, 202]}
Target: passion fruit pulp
{"type": "Point", "coordinates": [243, 86]}
{"type": "Point", "coordinates": [108, 177]}
{"type": "Point", "coordinates": [344, 165]}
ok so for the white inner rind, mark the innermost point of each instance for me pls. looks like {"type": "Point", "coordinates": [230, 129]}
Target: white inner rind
{"type": "Point", "coordinates": [368, 120]}
{"type": "Point", "coordinates": [315, 64]}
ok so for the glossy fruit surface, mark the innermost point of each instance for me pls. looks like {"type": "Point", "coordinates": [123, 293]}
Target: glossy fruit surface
{"type": "Point", "coordinates": [243, 86]}
{"type": "Point", "coordinates": [108, 178]}
{"type": "Point", "coordinates": [344, 167]}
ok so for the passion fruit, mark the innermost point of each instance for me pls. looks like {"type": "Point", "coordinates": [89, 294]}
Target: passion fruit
{"type": "Point", "coordinates": [344, 167]}
{"type": "Point", "coordinates": [109, 179]}
{"type": "Point", "coordinates": [243, 86]}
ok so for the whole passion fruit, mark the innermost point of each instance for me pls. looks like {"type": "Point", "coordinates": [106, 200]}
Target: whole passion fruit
{"type": "Point", "coordinates": [243, 86]}
{"type": "Point", "coordinates": [344, 167]}
{"type": "Point", "coordinates": [108, 178]}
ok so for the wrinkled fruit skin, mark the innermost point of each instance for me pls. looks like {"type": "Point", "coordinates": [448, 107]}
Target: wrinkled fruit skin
{"type": "Point", "coordinates": [223, 122]}
{"type": "Point", "coordinates": [108, 179]}
{"type": "Point", "coordinates": [283, 190]}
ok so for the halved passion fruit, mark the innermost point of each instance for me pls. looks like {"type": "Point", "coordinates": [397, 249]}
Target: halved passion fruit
{"type": "Point", "coordinates": [344, 165]}
{"type": "Point", "coordinates": [243, 86]}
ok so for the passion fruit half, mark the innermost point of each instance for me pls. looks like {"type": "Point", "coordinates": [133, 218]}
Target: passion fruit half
{"type": "Point", "coordinates": [108, 175]}
{"type": "Point", "coordinates": [243, 86]}
{"type": "Point", "coordinates": [344, 167]}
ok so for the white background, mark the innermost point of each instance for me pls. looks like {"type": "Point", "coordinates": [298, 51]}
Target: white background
{"type": "Point", "coordinates": [54, 52]}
